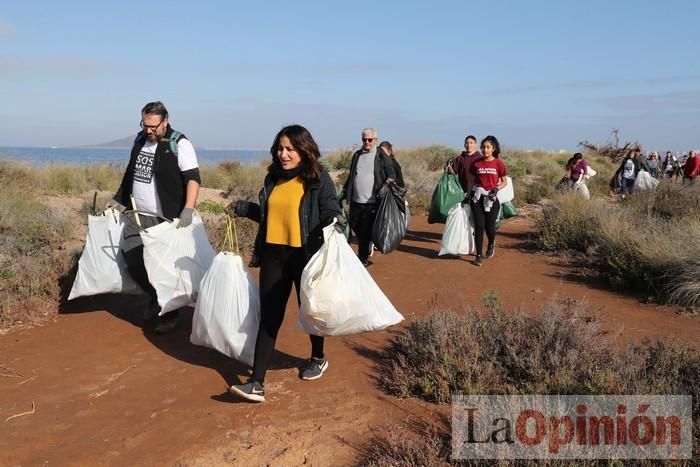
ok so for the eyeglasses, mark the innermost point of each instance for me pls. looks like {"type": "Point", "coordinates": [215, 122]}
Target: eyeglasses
{"type": "Point", "coordinates": [150, 127]}
{"type": "Point", "coordinates": [368, 140]}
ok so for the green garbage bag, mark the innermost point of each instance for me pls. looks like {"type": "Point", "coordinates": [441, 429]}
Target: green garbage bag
{"type": "Point", "coordinates": [508, 210]}
{"type": "Point", "coordinates": [346, 232]}
{"type": "Point", "coordinates": [448, 192]}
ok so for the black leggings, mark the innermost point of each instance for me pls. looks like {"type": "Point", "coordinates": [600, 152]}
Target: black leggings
{"type": "Point", "coordinates": [280, 267]}
{"type": "Point", "coordinates": [484, 221]}
{"type": "Point", "coordinates": [362, 216]}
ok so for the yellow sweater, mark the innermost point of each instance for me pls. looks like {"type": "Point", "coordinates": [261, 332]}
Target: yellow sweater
{"type": "Point", "coordinates": [283, 224]}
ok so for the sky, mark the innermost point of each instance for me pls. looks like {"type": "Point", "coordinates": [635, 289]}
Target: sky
{"type": "Point", "coordinates": [538, 75]}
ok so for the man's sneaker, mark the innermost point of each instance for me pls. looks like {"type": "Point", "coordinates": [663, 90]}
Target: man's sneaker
{"type": "Point", "coordinates": [489, 251]}
{"type": "Point", "coordinates": [166, 323]}
{"type": "Point", "coordinates": [479, 259]}
{"type": "Point", "coordinates": [251, 391]}
{"type": "Point", "coordinates": [314, 368]}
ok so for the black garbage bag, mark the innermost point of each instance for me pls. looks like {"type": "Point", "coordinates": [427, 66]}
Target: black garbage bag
{"type": "Point", "coordinates": [563, 184]}
{"type": "Point", "coordinates": [390, 224]}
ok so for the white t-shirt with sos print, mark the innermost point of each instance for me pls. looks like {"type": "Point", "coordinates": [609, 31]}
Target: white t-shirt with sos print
{"type": "Point", "coordinates": [144, 189]}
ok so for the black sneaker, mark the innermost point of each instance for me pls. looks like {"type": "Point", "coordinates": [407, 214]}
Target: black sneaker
{"type": "Point", "coordinates": [167, 323]}
{"type": "Point", "coordinates": [479, 259]}
{"type": "Point", "coordinates": [489, 251]}
{"type": "Point", "coordinates": [365, 262]}
{"type": "Point", "coordinates": [314, 368]}
{"type": "Point", "coordinates": [251, 391]}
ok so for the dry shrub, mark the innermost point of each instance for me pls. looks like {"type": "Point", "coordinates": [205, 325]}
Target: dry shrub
{"type": "Point", "coordinates": [647, 243]}
{"type": "Point", "coordinates": [405, 445]}
{"type": "Point", "coordinates": [498, 353]}
{"type": "Point", "coordinates": [559, 351]}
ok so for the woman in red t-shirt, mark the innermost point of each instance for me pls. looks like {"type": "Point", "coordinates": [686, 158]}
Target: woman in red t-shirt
{"type": "Point", "coordinates": [490, 176]}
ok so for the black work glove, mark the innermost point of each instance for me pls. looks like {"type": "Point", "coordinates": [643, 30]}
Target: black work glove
{"type": "Point", "coordinates": [466, 199]}
{"type": "Point", "coordinates": [340, 224]}
{"type": "Point", "coordinates": [185, 217]}
{"type": "Point", "coordinates": [492, 194]}
{"type": "Point", "coordinates": [239, 208]}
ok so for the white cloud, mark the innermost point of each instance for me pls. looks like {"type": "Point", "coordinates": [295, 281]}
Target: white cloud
{"type": "Point", "coordinates": [21, 68]}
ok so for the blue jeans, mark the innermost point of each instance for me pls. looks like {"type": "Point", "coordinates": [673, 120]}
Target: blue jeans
{"type": "Point", "coordinates": [626, 185]}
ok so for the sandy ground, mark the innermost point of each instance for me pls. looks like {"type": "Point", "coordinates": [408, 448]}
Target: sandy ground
{"type": "Point", "coordinates": [107, 393]}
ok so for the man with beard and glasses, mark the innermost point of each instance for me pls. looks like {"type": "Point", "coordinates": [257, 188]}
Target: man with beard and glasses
{"type": "Point", "coordinates": [163, 180]}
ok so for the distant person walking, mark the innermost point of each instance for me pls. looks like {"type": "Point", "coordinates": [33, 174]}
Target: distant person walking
{"type": "Point", "coordinates": [670, 164]}
{"type": "Point", "coordinates": [577, 167]}
{"type": "Point", "coordinates": [691, 168]}
{"type": "Point", "coordinates": [628, 170]}
{"type": "Point", "coordinates": [163, 178]}
{"type": "Point", "coordinates": [489, 176]}
{"type": "Point", "coordinates": [461, 165]}
{"type": "Point", "coordinates": [369, 169]}
{"type": "Point", "coordinates": [653, 163]}
{"type": "Point", "coordinates": [297, 200]}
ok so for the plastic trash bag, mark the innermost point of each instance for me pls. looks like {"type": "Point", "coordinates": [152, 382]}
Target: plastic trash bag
{"type": "Point", "coordinates": [101, 268]}
{"type": "Point", "coordinates": [338, 295]}
{"type": "Point", "coordinates": [506, 193]}
{"type": "Point", "coordinates": [590, 173]}
{"type": "Point", "coordinates": [645, 182]}
{"type": "Point", "coordinates": [176, 260]}
{"type": "Point", "coordinates": [390, 223]}
{"type": "Point", "coordinates": [408, 215]}
{"type": "Point", "coordinates": [447, 193]}
{"type": "Point", "coordinates": [582, 190]}
{"type": "Point", "coordinates": [227, 315]}
{"type": "Point", "coordinates": [509, 210]}
{"type": "Point", "coordinates": [458, 236]}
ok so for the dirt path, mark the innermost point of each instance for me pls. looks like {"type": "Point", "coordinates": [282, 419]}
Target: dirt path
{"type": "Point", "coordinates": [106, 393]}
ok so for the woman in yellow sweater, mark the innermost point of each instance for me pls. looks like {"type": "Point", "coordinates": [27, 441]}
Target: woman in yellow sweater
{"type": "Point", "coordinates": [297, 200]}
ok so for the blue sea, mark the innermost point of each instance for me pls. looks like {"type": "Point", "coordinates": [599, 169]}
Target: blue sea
{"type": "Point", "coordinates": [84, 156]}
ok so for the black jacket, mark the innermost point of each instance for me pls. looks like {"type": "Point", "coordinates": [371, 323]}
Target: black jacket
{"type": "Point", "coordinates": [383, 169]}
{"type": "Point", "coordinates": [319, 205]}
{"type": "Point", "coordinates": [171, 182]}
{"type": "Point", "coordinates": [398, 173]}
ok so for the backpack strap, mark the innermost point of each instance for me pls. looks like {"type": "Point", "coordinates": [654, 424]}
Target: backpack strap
{"type": "Point", "coordinates": [174, 138]}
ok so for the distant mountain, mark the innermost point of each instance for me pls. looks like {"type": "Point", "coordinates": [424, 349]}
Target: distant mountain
{"type": "Point", "coordinates": [117, 143]}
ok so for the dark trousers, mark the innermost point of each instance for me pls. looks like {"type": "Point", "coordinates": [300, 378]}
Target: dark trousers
{"type": "Point", "coordinates": [280, 267]}
{"type": "Point", "coordinates": [132, 249]}
{"type": "Point", "coordinates": [484, 221]}
{"type": "Point", "coordinates": [362, 217]}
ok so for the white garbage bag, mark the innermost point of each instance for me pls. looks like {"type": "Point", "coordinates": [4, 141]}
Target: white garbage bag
{"type": "Point", "coordinates": [645, 182]}
{"type": "Point", "coordinates": [506, 193]}
{"type": "Point", "coordinates": [408, 215]}
{"type": "Point", "coordinates": [582, 190]}
{"type": "Point", "coordinates": [458, 236]}
{"type": "Point", "coordinates": [590, 173]}
{"type": "Point", "coordinates": [101, 268]}
{"type": "Point", "coordinates": [227, 315]}
{"type": "Point", "coordinates": [338, 295]}
{"type": "Point", "coordinates": [176, 260]}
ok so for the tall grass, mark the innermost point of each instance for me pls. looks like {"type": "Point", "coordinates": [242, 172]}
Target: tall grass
{"type": "Point", "coordinates": [559, 351]}
{"type": "Point", "coordinates": [647, 243]}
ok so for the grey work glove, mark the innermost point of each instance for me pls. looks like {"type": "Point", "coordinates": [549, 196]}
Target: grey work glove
{"type": "Point", "coordinates": [114, 204]}
{"type": "Point", "coordinates": [185, 217]}
{"type": "Point", "coordinates": [239, 208]}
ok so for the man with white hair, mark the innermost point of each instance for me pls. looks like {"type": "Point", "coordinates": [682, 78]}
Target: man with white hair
{"type": "Point", "coordinates": [369, 169]}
